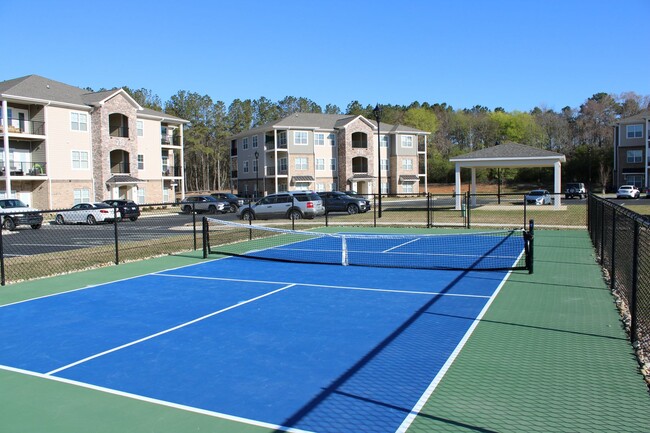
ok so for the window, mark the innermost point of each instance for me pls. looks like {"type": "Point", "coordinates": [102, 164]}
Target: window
{"type": "Point", "coordinates": [320, 163]}
{"type": "Point", "coordinates": [359, 140]}
{"type": "Point", "coordinates": [300, 137]}
{"type": "Point", "coordinates": [282, 137]}
{"type": "Point", "coordinates": [302, 186]}
{"type": "Point", "coordinates": [319, 139]}
{"type": "Point", "coordinates": [166, 195]}
{"type": "Point", "coordinates": [407, 141]}
{"type": "Point", "coordinates": [78, 121]}
{"type": "Point", "coordinates": [244, 143]}
{"type": "Point", "coordinates": [333, 164]}
{"type": "Point", "coordinates": [79, 159]}
{"type": "Point", "coordinates": [140, 162]}
{"type": "Point", "coordinates": [255, 162]}
{"type": "Point", "coordinates": [634, 156]}
{"type": "Point", "coordinates": [383, 141]}
{"type": "Point", "coordinates": [301, 164]}
{"type": "Point", "coordinates": [165, 164]}
{"type": "Point", "coordinates": [634, 131]}
{"type": "Point", "coordinates": [634, 179]}
{"type": "Point", "coordinates": [332, 139]}
{"type": "Point", "coordinates": [139, 126]}
{"type": "Point", "coordinates": [81, 195]}
{"type": "Point", "coordinates": [320, 187]}
{"type": "Point", "coordinates": [407, 164]}
{"type": "Point", "coordinates": [141, 196]}
{"type": "Point", "coordinates": [245, 166]}
{"type": "Point", "coordinates": [333, 186]}
{"type": "Point", "coordinates": [254, 141]}
{"type": "Point", "coordinates": [283, 164]}
{"type": "Point", "coordinates": [384, 164]}
{"type": "Point", "coordinates": [407, 187]}
{"type": "Point", "coordinates": [385, 188]}
{"type": "Point", "coordinates": [282, 187]}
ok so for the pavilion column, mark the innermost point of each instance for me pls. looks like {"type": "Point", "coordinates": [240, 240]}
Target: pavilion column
{"type": "Point", "coordinates": [459, 199]}
{"type": "Point", "coordinates": [473, 187]}
{"type": "Point", "coordinates": [557, 185]}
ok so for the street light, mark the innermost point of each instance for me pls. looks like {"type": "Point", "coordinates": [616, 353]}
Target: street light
{"type": "Point", "coordinates": [257, 174]}
{"type": "Point", "coordinates": [377, 112]}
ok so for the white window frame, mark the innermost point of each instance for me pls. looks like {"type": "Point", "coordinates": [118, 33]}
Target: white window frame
{"type": "Point", "coordinates": [77, 157]}
{"type": "Point", "coordinates": [255, 165]}
{"type": "Point", "coordinates": [634, 131]}
{"type": "Point", "coordinates": [141, 195]}
{"type": "Point", "coordinates": [80, 195]}
{"type": "Point", "coordinates": [300, 138]}
{"type": "Point", "coordinates": [245, 167]}
{"type": "Point", "coordinates": [284, 164]}
{"type": "Point", "coordinates": [320, 163]}
{"type": "Point", "coordinates": [385, 164]}
{"type": "Point", "coordinates": [301, 163]}
{"type": "Point", "coordinates": [282, 138]}
{"type": "Point", "coordinates": [407, 187]}
{"type": "Point", "coordinates": [319, 139]}
{"type": "Point", "coordinates": [331, 137]}
{"type": "Point", "coordinates": [383, 141]}
{"type": "Point", "coordinates": [140, 162]}
{"type": "Point", "coordinates": [244, 143]}
{"type": "Point", "coordinates": [407, 141]}
{"type": "Point", "coordinates": [139, 126]}
{"type": "Point", "coordinates": [333, 164]}
{"type": "Point", "coordinates": [407, 164]}
{"type": "Point", "coordinates": [384, 188]}
{"type": "Point", "coordinates": [254, 141]}
{"type": "Point", "coordinates": [634, 156]}
{"type": "Point", "coordinates": [320, 187]}
{"type": "Point", "coordinates": [76, 122]}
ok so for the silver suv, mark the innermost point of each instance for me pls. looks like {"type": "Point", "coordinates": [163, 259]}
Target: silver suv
{"type": "Point", "coordinates": [290, 204]}
{"type": "Point", "coordinates": [575, 189]}
{"type": "Point", "coordinates": [204, 203]}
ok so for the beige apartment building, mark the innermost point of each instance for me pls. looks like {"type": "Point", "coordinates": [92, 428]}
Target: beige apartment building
{"type": "Point", "coordinates": [631, 151]}
{"type": "Point", "coordinates": [63, 145]}
{"type": "Point", "coordinates": [329, 152]}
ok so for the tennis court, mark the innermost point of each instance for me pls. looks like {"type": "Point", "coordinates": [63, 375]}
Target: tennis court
{"type": "Point", "coordinates": [234, 344]}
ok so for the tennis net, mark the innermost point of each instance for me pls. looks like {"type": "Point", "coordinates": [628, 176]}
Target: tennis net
{"type": "Point", "coordinates": [491, 250]}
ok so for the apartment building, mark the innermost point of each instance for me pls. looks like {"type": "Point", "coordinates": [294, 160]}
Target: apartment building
{"type": "Point", "coordinates": [62, 145]}
{"type": "Point", "coordinates": [631, 151]}
{"type": "Point", "coordinates": [329, 152]}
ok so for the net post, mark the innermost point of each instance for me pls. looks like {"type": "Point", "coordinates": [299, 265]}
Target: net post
{"type": "Point", "coordinates": [206, 238]}
{"type": "Point", "coordinates": [529, 246]}
{"type": "Point", "coordinates": [344, 251]}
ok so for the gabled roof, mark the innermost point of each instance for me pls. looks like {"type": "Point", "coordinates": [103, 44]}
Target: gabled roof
{"type": "Point", "coordinates": [508, 150]}
{"type": "Point", "coordinates": [640, 117]}
{"type": "Point", "coordinates": [327, 122]}
{"type": "Point", "coordinates": [45, 90]}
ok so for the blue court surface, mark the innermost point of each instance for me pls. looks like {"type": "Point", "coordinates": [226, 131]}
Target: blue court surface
{"type": "Point", "coordinates": [297, 347]}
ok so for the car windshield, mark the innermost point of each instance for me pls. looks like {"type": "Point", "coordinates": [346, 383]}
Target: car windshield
{"type": "Point", "coordinates": [11, 203]}
{"type": "Point", "coordinates": [536, 193]}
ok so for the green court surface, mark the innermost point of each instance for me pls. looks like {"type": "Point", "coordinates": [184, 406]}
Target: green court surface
{"type": "Point", "coordinates": [550, 355]}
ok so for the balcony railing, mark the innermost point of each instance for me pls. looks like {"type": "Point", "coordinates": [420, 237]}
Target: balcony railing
{"type": "Point", "coordinates": [121, 168]}
{"type": "Point", "coordinates": [24, 168]}
{"type": "Point", "coordinates": [171, 171]}
{"type": "Point", "coordinates": [233, 174]}
{"type": "Point", "coordinates": [270, 146]}
{"type": "Point", "coordinates": [120, 131]}
{"type": "Point", "coordinates": [270, 171]}
{"type": "Point", "coordinates": [21, 126]}
{"type": "Point", "coordinates": [171, 141]}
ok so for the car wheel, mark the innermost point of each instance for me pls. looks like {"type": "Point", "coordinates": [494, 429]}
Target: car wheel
{"type": "Point", "coordinates": [233, 208]}
{"type": "Point", "coordinates": [36, 226]}
{"type": "Point", "coordinates": [212, 210]}
{"type": "Point", "coordinates": [187, 209]}
{"type": "Point", "coordinates": [134, 219]}
{"type": "Point", "coordinates": [9, 223]}
{"type": "Point", "coordinates": [295, 214]}
{"type": "Point", "coordinates": [60, 220]}
{"type": "Point", "coordinates": [90, 220]}
{"type": "Point", "coordinates": [353, 209]}
{"type": "Point", "coordinates": [247, 216]}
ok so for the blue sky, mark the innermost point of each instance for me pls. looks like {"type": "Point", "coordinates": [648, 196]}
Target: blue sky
{"type": "Point", "coordinates": [512, 54]}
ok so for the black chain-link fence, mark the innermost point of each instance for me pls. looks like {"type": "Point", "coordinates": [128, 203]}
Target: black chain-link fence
{"type": "Point", "coordinates": [622, 241]}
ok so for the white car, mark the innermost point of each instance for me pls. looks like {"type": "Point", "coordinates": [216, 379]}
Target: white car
{"type": "Point", "coordinates": [538, 197]}
{"type": "Point", "coordinates": [88, 213]}
{"type": "Point", "coordinates": [628, 191]}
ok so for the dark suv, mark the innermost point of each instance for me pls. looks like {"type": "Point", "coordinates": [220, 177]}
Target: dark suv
{"type": "Point", "coordinates": [575, 189]}
{"type": "Point", "coordinates": [235, 202]}
{"type": "Point", "coordinates": [336, 201]}
{"type": "Point", "coordinates": [128, 208]}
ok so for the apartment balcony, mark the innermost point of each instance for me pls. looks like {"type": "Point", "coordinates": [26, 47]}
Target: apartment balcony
{"type": "Point", "coordinates": [171, 141]}
{"type": "Point", "coordinates": [233, 174]}
{"type": "Point", "coordinates": [24, 169]}
{"type": "Point", "coordinates": [22, 126]}
{"type": "Point", "coordinates": [171, 172]}
{"type": "Point", "coordinates": [270, 171]}
{"type": "Point", "coordinates": [270, 145]}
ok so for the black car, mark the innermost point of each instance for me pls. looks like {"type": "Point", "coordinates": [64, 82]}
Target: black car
{"type": "Point", "coordinates": [128, 208]}
{"type": "Point", "coordinates": [359, 196]}
{"type": "Point", "coordinates": [234, 201]}
{"type": "Point", "coordinates": [336, 201]}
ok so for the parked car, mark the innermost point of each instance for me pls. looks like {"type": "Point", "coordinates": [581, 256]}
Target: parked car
{"type": "Point", "coordinates": [628, 191]}
{"type": "Point", "coordinates": [28, 216]}
{"type": "Point", "coordinates": [234, 201]}
{"type": "Point", "coordinates": [128, 208]}
{"type": "Point", "coordinates": [88, 213]}
{"type": "Point", "coordinates": [575, 189]}
{"type": "Point", "coordinates": [362, 197]}
{"type": "Point", "coordinates": [336, 201]}
{"type": "Point", "coordinates": [538, 197]}
{"type": "Point", "coordinates": [204, 203]}
{"type": "Point", "coordinates": [290, 204]}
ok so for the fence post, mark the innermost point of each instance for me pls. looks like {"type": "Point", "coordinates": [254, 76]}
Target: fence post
{"type": "Point", "coordinates": [428, 210]}
{"type": "Point", "coordinates": [2, 255]}
{"type": "Point", "coordinates": [612, 271]}
{"type": "Point", "coordinates": [602, 232]}
{"type": "Point", "coordinates": [635, 281]}
{"type": "Point", "coordinates": [194, 223]}
{"type": "Point", "coordinates": [117, 249]}
{"type": "Point", "coordinates": [374, 210]}
{"type": "Point", "coordinates": [205, 237]}
{"type": "Point", "coordinates": [468, 201]}
{"type": "Point", "coordinates": [531, 249]}
{"type": "Point", "coordinates": [525, 208]}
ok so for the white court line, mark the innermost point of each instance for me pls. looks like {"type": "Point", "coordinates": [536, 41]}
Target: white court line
{"type": "Point", "coordinates": [155, 401]}
{"type": "Point", "coordinates": [401, 245]}
{"type": "Point", "coordinates": [166, 331]}
{"type": "Point", "coordinates": [436, 380]}
{"type": "Point", "coordinates": [325, 286]}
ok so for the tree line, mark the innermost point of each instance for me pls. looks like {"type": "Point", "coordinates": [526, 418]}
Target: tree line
{"type": "Point", "coordinates": [584, 134]}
